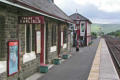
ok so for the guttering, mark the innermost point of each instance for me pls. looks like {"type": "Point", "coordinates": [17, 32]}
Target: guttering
{"type": "Point", "coordinates": [33, 9]}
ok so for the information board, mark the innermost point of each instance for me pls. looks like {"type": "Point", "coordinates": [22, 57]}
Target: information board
{"type": "Point", "coordinates": [38, 42]}
{"type": "Point", "coordinates": [13, 57]}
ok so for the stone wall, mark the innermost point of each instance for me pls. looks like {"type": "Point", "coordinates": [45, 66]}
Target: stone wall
{"type": "Point", "coordinates": [3, 76]}
{"type": "Point", "coordinates": [2, 37]}
{"type": "Point", "coordinates": [64, 50]}
{"type": "Point", "coordinates": [30, 68]}
{"type": "Point", "coordinates": [11, 30]}
{"type": "Point", "coordinates": [51, 55]}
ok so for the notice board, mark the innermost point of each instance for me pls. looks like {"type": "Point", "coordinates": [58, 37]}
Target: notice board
{"type": "Point", "coordinates": [13, 57]}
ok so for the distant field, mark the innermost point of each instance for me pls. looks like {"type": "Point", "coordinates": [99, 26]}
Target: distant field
{"type": "Point", "coordinates": [95, 28]}
{"type": "Point", "coordinates": [106, 28]}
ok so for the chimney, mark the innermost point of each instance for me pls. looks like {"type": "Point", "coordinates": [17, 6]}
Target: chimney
{"type": "Point", "coordinates": [52, 1]}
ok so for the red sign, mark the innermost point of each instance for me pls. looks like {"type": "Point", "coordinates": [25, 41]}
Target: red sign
{"type": "Point", "coordinates": [13, 43]}
{"type": "Point", "coordinates": [31, 20]}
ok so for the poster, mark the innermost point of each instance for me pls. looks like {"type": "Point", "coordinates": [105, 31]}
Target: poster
{"type": "Point", "coordinates": [38, 42]}
{"type": "Point", "coordinates": [13, 57]}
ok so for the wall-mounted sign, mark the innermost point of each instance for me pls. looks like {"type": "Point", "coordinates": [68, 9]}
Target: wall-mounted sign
{"type": "Point", "coordinates": [31, 20]}
{"type": "Point", "coordinates": [38, 42]}
{"type": "Point", "coordinates": [13, 57]}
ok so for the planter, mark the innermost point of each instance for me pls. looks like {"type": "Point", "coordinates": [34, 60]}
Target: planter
{"type": "Point", "coordinates": [43, 68]}
{"type": "Point", "coordinates": [56, 61]}
{"type": "Point", "coordinates": [65, 56]}
{"type": "Point", "coordinates": [90, 43]}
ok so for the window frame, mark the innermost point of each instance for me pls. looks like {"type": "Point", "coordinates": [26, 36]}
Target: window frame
{"type": "Point", "coordinates": [82, 28]}
{"type": "Point", "coordinates": [31, 38]}
{"type": "Point", "coordinates": [53, 35]}
{"type": "Point", "coordinates": [65, 35]}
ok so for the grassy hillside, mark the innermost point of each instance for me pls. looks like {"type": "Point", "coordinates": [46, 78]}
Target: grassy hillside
{"type": "Point", "coordinates": [106, 28]}
{"type": "Point", "coordinates": [95, 28]}
{"type": "Point", "coordinates": [116, 33]}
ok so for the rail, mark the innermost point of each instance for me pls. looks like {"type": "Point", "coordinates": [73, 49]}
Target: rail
{"type": "Point", "coordinates": [115, 50]}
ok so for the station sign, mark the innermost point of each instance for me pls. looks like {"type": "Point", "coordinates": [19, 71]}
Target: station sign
{"type": "Point", "coordinates": [31, 20]}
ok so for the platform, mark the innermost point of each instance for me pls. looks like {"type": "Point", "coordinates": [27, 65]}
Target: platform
{"type": "Point", "coordinates": [77, 67]}
{"type": "Point", "coordinates": [103, 67]}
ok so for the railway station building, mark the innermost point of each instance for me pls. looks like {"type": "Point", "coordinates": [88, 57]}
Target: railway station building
{"type": "Point", "coordinates": [82, 30]}
{"type": "Point", "coordinates": [32, 32]}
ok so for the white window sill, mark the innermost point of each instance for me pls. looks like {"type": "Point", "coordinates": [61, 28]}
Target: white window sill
{"type": "Point", "coordinates": [65, 45]}
{"type": "Point", "coordinates": [3, 65]}
{"type": "Point", "coordinates": [53, 49]}
{"type": "Point", "coordinates": [29, 57]}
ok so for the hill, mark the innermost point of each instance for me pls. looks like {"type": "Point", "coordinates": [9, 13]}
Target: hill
{"type": "Point", "coordinates": [95, 28]}
{"type": "Point", "coordinates": [116, 33]}
{"type": "Point", "coordinates": [106, 28]}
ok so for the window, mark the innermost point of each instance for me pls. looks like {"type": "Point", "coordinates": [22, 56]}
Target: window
{"type": "Point", "coordinates": [2, 38]}
{"type": "Point", "coordinates": [77, 22]}
{"type": "Point", "coordinates": [51, 1]}
{"type": "Point", "coordinates": [53, 35]}
{"type": "Point", "coordinates": [82, 27]}
{"type": "Point", "coordinates": [30, 38]}
{"type": "Point", "coordinates": [33, 37]}
{"type": "Point", "coordinates": [65, 35]}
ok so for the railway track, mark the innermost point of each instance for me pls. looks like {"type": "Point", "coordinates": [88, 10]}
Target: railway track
{"type": "Point", "coordinates": [114, 48]}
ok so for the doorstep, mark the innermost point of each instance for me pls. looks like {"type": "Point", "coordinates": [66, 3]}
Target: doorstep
{"type": "Point", "coordinates": [50, 66]}
{"type": "Point", "coordinates": [35, 76]}
{"type": "Point", "coordinates": [38, 75]}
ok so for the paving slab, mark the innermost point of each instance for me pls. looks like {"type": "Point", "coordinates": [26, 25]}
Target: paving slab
{"type": "Point", "coordinates": [94, 73]}
{"type": "Point", "coordinates": [75, 68]}
{"type": "Point", "coordinates": [103, 67]}
{"type": "Point", "coordinates": [107, 69]}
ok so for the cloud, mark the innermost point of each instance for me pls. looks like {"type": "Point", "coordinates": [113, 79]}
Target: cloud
{"type": "Point", "coordinates": [96, 10]}
{"type": "Point", "coordinates": [106, 21]}
{"type": "Point", "coordinates": [104, 5]}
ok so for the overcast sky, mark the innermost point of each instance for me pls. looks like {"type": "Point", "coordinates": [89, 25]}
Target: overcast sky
{"type": "Point", "coordinates": [98, 11]}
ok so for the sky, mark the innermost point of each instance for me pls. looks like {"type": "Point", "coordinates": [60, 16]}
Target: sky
{"type": "Point", "coordinates": [98, 11]}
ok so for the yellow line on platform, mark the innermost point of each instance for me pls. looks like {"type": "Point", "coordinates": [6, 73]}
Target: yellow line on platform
{"type": "Point", "coordinates": [94, 73]}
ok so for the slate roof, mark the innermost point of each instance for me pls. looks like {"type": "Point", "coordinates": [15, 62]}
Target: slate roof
{"type": "Point", "coordinates": [45, 6]}
{"type": "Point", "coordinates": [77, 16]}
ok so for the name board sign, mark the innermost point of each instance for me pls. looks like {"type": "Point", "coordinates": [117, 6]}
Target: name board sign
{"type": "Point", "coordinates": [31, 20]}
{"type": "Point", "coordinates": [13, 57]}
